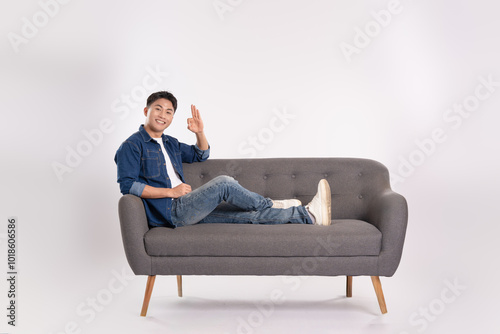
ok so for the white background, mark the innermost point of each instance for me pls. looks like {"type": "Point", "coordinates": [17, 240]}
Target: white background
{"type": "Point", "coordinates": [239, 66]}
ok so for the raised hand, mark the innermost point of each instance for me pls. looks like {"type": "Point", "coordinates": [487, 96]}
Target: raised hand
{"type": "Point", "coordinates": [195, 124]}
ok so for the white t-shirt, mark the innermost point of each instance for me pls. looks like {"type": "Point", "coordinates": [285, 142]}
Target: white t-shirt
{"type": "Point", "coordinates": [172, 174]}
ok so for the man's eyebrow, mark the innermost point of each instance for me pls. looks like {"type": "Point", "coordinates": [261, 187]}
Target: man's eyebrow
{"type": "Point", "coordinates": [158, 105]}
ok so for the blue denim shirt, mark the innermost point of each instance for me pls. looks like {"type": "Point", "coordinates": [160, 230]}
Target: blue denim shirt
{"type": "Point", "coordinates": [140, 162]}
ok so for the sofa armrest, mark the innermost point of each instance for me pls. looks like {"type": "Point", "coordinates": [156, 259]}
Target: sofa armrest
{"type": "Point", "coordinates": [389, 213]}
{"type": "Point", "coordinates": [134, 225]}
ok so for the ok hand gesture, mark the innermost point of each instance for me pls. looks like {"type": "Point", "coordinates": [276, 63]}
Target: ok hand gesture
{"type": "Point", "coordinates": [195, 124]}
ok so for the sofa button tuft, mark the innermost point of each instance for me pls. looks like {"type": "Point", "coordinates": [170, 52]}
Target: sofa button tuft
{"type": "Point", "coordinates": [360, 196]}
{"type": "Point", "coordinates": [265, 177]}
{"type": "Point", "coordinates": [360, 174]}
{"type": "Point", "coordinates": [202, 176]}
{"type": "Point", "coordinates": [293, 176]}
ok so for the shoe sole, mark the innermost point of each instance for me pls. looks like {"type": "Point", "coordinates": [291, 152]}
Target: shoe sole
{"type": "Point", "coordinates": [326, 202]}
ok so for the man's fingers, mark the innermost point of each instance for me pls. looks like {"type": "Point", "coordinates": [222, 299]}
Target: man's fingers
{"type": "Point", "coordinates": [193, 110]}
{"type": "Point", "coordinates": [183, 189]}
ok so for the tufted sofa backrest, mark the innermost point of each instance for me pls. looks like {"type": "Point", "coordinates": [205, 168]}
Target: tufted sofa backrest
{"type": "Point", "coordinates": [354, 182]}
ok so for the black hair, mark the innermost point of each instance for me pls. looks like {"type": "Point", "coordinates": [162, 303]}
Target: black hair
{"type": "Point", "coordinates": [161, 95]}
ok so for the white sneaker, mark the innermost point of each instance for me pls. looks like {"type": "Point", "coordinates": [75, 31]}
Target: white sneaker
{"type": "Point", "coordinates": [321, 205]}
{"type": "Point", "coordinates": [286, 203]}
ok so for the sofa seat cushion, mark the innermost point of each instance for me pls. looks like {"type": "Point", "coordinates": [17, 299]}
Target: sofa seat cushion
{"type": "Point", "coordinates": [345, 237]}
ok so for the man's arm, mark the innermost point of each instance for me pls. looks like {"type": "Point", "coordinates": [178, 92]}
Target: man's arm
{"type": "Point", "coordinates": [201, 141]}
{"type": "Point", "coordinates": [154, 192]}
{"type": "Point", "coordinates": [128, 159]}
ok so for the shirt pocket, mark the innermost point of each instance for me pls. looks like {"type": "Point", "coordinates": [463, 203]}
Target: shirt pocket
{"type": "Point", "coordinates": [151, 164]}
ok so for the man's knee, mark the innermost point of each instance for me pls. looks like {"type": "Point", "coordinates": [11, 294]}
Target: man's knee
{"type": "Point", "coordinates": [224, 179]}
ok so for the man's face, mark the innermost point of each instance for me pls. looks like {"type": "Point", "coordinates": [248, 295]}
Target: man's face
{"type": "Point", "coordinates": [159, 116]}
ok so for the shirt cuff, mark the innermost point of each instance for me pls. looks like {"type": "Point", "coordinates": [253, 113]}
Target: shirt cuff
{"type": "Point", "coordinates": [137, 189]}
{"type": "Point", "coordinates": [203, 154]}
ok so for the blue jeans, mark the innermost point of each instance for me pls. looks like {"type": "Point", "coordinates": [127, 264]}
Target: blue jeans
{"type": "Point", "coordinates": [200, 206]}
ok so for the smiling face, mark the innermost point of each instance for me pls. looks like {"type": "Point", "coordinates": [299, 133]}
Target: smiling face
{"type": "Point", "coordinates": [159, 116]}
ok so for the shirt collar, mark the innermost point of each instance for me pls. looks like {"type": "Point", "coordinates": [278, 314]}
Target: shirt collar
{"type": "Point", "coordinates": [146, 137]}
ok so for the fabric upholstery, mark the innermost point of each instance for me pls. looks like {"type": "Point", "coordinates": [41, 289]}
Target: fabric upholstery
{"type": "Point", "coordinates": [275, 266]}
{"type": "Point", "coordinates": [342, 238]}
{"type": "Point", "coordinates": [353, 182]}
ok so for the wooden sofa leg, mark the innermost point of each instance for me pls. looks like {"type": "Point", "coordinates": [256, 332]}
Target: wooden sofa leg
{"type": "Point", "coordinates": [380, 294]}
{"type": "Point", "coordinates": [348, 289]}
{"type": "Point", "coordinates": [179, 285]}
{"type": "Point", "coordinates": [147, 295]}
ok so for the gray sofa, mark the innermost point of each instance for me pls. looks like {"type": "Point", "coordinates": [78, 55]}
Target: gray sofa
{"type": "Point", "coordinates": [365, 238]}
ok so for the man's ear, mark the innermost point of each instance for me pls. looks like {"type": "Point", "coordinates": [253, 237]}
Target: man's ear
{"type": "Point", "coordinates": [146, 111]}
